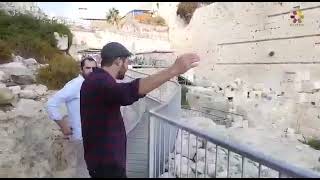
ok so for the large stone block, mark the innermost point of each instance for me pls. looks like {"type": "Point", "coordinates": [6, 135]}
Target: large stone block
{"type": "Point", "coordinates": [259, 87]}
{"type": "Point", "coordinates": [27, 94]}
{"type": "Point", "coordinates": [304, 97]}
{"type": "Point", "coordinates": [256, 94]}
{"type": "Point", "coordinates": [62, 41]}
{"type": "Point", "coordinates": [18, 72]}
{"type": "Point", "coordinates": [39, 89]}
{"type": "Point", "coordinates": [30, 62]}
{"type": "Point", "coordinates": [4, 77]}
{"type": "Point", "coordinates": [15, 89]}
{"type": "Point", "coordinates": [303, 76]}
{"type": "Point", "coordinates": [316, 85]}
{"type": "Point", "coordinates": [298, 86]}
{"type": "Point", "coordinates": [28, 108]}
{"type": "Point", "coordinates": [307, 87]}
{"type": "Point", "coordinates": [6, 96]}
{"type": "Point", "coordinates": [202, 90]}
{"type": "Point", "coordinates": [229, 93]}
{"type": "Point", "coordinates": [18, 59]}
{"type": "Point", "coordinates": [181, 167]}
{"type": "Point", "coordinates": [23, 79]}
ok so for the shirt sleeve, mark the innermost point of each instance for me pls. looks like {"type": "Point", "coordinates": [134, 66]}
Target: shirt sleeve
{"type": "Point", "coordinates": [67, 93]}
{"type": "Point", "coordinates": [122, 93]}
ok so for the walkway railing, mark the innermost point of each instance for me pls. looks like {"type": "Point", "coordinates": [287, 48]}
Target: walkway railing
{"type": "Point", "coordinates": [177, 149]}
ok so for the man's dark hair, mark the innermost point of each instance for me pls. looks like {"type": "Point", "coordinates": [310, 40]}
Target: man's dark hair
{"type": "Point", "coordinates": [83, 60]}
{"type": "Point", "coordinates": [111, 51]}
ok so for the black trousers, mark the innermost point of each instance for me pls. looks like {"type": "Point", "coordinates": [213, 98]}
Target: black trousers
{"type": "Point", "coordinates": [108, 171]}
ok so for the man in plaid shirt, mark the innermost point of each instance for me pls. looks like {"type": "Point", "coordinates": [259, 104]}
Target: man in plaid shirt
{"type": "Point", "coordinates": [103, 130]}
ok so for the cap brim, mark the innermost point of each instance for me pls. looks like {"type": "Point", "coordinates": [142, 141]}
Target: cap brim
{"type": "Point", "coordinates": [130, 54]}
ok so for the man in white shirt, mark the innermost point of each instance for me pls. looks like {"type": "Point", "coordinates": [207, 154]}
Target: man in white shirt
{"type": "Point", "coordinates": [71, 124]}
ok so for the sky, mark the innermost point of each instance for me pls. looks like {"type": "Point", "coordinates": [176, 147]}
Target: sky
{"type": "Point", "coordinates": [94, 9]}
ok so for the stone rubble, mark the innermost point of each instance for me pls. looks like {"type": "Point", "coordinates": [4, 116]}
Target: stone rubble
{"type": "Point", "coordinates": [282, 144]}
{"type": "Point", "coordinates": [29, 144]}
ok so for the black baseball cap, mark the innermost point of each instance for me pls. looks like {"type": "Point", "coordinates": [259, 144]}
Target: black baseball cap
{"type": "Point", "coordinates": [114, 50]}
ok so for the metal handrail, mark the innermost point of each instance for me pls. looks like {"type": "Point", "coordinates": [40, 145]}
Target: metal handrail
{"type": "Point", "coordinates": [242, 150]}
{"type": "Point", "coordinates": [263, 159]}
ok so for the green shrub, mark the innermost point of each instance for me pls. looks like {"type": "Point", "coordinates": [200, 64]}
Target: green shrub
{"type": "Point", "coordinates": [29, 37]}
{"type": "Point", "coordinates": [314, 143]}
{"type": "Point", "coordinates": [32, 47]}
{"type": "Point", "coordinates": [157, 20]}
{"type": "Point", "coordinates": [5, 53]}
{"type": "Point", "coordinates": [186, 9]}
{"type": "Point", "coordinates": [60, 70]}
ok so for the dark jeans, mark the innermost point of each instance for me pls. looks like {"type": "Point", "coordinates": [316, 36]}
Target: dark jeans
{"type": "Point", "coordinates": [108, 171]}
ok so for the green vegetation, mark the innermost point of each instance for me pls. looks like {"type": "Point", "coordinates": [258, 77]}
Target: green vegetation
{"type": "Point", "coordinates": [113, 16]}
{"type": "Point", "coordinates": [61, 69]}
{"type": "Point", "coordinates": [314, 143]}
{"type": "Point", "coordinates": [5, 53]}
{"type": "Point", "coordinates": [157, 20]}
{"type": "Point", "coordinates": [186, 9]}
{"type": "Point", "coordinates": [30, 37]}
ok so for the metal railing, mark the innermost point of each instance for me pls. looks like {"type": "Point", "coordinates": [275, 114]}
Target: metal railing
{"type": "Point", "coordinates": [178, 149]}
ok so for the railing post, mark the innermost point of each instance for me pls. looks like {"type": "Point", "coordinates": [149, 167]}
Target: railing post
{"type": "Point", "coordinates": [151, 144]}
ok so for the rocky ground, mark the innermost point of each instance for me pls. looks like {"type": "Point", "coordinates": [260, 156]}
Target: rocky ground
{"type": "Point", "coordinates": [31, 144]}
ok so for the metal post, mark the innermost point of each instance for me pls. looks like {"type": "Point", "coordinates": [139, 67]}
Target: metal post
{"type": "Point", "coordinates": [169, 151]}
{"type": "Point", "coordinates": [164, 150]}
{"type": "Point", "coordinates": [228, 164]}
{"type": "Point", "coordinates": [216, 163]}
{"type": "Point", "coordinates": [174, 162]}
{"type": "Point", "coordinates": [259, 173]}
{"type": "Point", "coordinates": [151, 145]}
{"type": "Point", "coordinates": [197, 156]}
{"type": "Point", "coordinates": [205, 159]}
{"type": "Point", "coordinates": [242, 172]}
{"type": "Point", "coordinates": [181, 155]}
{"type": "Point", "coordinates": [159, 149]}
{"type": "Point", "coordinates": [188, 155]}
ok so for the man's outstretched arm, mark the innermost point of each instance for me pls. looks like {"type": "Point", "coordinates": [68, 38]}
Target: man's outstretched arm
{"type": "Point", "coordinates": [181, 65]}
{"type": "Point", "coordinates": [128, 93]}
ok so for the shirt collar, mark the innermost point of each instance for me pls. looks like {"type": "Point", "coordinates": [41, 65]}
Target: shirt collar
{"type": "Point", "coordinates": [99, 70]}
{"type": "Point", "coordinates": [80, 77]}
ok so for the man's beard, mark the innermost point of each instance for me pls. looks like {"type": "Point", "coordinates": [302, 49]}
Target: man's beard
{"type": "Point", "coordinates": [84, 75]}
{"type": "Point", "coordinates": [121, 73]}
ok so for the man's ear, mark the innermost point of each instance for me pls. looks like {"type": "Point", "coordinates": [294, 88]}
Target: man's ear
{"type": "Point", "coordinates": [118, 61]}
